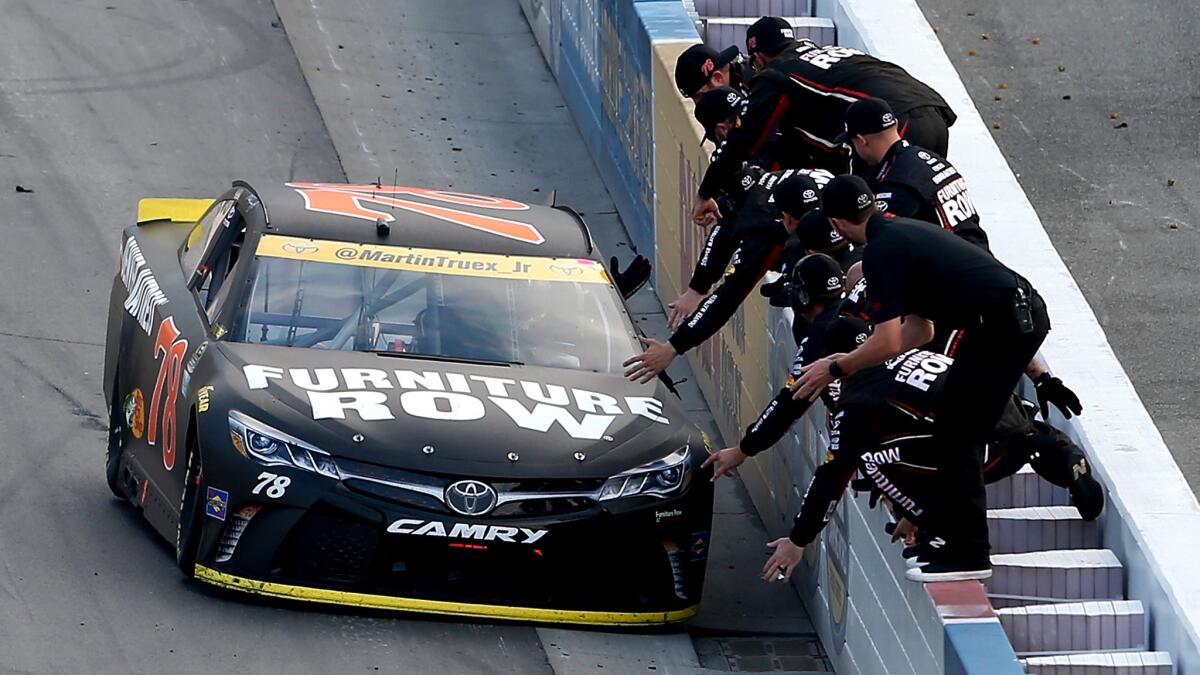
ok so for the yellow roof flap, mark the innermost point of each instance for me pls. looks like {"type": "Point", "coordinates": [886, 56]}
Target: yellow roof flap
{"type": "Point", "coordinates": [174, 209]}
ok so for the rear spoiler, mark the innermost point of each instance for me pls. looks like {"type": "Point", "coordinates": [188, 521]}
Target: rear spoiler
{"type": "Point", "coordinates": [176, 210]}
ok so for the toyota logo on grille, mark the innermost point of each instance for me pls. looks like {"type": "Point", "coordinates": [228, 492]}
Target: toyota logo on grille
{"type": "Point", "coordinates": [470, 497]}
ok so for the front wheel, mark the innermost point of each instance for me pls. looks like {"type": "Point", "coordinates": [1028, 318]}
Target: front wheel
{"type": "Point", "coordinates": [116, 442]}
{"type": "Point", "coordinates": [191, 513]}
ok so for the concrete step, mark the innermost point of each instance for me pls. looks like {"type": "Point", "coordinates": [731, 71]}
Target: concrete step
{"type": "Point", "coordinates": [722, 32]}
{"type": "Point", "coordinates": [1075, 627]}
{"type": "Point", "coordinates": [1100, 663]}
{"type": "Point", "coordinates": [753, 8]}
{"type": "Point", "coordinates": [1040, 528]}
{"type": "Point", "coordinates": [1055, 576]}
{"type": "Point", "coordinates": [1025, 488]}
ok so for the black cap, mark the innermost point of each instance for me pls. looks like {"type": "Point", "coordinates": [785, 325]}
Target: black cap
{"type": "Point", "coordinates": [715, 106]}
{"type": "Point", "coordinates": [846, 197]}
{"type": "Point", "coordinates": [845, 334]}
{"type": "Point", "coordinates": [816, 277]}
{"type": "Point", "coordinates": [796, 195]}
{"type": "Point", "coordinates": [816, 233]}
{"type": "Point", "coordinates": [867, 116]}
{"type": "Point", "coordinates": [697, 63]}
{"type": "Point", "coordinates": [769, 34]}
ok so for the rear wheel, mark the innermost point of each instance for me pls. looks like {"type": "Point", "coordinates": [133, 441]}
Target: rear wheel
{"type": "Point", "coordinates": [116, 443]}
{"type": "Point", "coordinates": [191, 511]}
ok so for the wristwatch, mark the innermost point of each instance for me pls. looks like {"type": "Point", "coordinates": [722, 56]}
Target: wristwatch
{"type": "Point", "coordinates": [836, 370]}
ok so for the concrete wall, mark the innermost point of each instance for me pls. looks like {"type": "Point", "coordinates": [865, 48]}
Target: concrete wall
{"type": "Point", "coordinates": [599, 50]}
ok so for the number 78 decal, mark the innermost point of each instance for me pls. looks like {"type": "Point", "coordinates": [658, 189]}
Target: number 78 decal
{"type": "Point", "coordinates": [172, 349]}
{"type": "Point", "coordinates": [352, 200]}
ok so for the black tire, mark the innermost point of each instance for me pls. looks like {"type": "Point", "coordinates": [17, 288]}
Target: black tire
{"type": "Point", "coordinates": [116, 438]}
{"type": "Point", "coordinates": [191, 512]}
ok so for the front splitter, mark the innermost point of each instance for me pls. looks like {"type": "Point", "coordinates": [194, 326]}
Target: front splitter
{"type": "Point", "coordinates": [442, 607]}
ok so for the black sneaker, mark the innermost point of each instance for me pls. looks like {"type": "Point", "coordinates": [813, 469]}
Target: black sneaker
{"type": "Point", "coordinates": [948, 569]}
{"type": "Point", "coordinates": [1086, 493]}
{"type": "Point", "coordinates": [921, 552]}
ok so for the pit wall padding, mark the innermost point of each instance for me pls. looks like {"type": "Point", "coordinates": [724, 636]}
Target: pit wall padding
{"type": "Point", "coordinates": [614, 60]}
{"type": "Point", "coordinates": [599, 51]}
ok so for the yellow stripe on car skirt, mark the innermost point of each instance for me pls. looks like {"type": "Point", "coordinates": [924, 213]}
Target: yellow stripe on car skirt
{"type": "Point", "coordinates": [216, 578]}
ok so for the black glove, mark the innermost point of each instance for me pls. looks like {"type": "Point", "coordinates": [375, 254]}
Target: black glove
{"type": "Point", "coordinates": [633, 278]}
{"type": "Point", "coordinates": [867, 485]}
{"type": "Point", "coordinates": [1049, 390]}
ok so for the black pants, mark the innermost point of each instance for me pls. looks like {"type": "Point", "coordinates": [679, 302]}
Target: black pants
{"type": "Point", "coordinates": [926, 127]}
{"type": "Point", "coordinates": [989, 361]}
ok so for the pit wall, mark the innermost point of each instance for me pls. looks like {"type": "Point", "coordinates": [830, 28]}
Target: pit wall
{"type": "Point", "coordinates": [614, 60]}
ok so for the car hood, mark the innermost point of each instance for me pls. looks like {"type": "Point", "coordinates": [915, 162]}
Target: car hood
{"type": "Point", "coordinates": [458, 418]}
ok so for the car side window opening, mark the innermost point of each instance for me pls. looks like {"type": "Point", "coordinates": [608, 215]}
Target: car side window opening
{"type": "Point", "coordinates": [200, 237]}
{"type": "Point", "coordinates": [218, 261]}
{"type": "Point", "coordinates": [323, 305]}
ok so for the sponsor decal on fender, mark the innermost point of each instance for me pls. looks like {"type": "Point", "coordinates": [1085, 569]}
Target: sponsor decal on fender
{"type": "Point", "coordinates": [216, 503]}
{"type": "Point", "coordinates": [202, 398]}
{"type": "Point", "coordinates": [190, 368]}
{"type": "Point", "coordinates": [670, 514]}
{"type": "Point", "coordinates": [373, 394]}
{"type": "Point", "coordinates": [475, 531]}
{"type": "Point", "coordinates": [135, 413]}
{"type": "Point", "coordinates": [434, 261]}
{"type": "Point", "coordinates": [144, 294]}
{"type": "Point", "coordinates": [698, 548]}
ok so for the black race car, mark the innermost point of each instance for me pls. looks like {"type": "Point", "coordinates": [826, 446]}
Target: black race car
{"type": "Point", "coordinates": [399, 398]}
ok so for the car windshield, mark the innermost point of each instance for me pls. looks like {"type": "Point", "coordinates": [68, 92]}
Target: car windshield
{"type": "Point", "coordinates": [553, 312]}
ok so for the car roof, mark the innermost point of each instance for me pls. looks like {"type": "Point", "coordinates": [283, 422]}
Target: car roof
{"type": "Point", "coordinates": [423, 218]}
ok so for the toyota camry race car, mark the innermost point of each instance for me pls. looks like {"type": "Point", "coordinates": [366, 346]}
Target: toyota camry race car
{"type": "Point", "coordinates": [398, 398]}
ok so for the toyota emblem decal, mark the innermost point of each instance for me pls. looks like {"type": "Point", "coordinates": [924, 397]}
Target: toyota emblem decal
{"type": "Point", "coordinates": [470, 497]}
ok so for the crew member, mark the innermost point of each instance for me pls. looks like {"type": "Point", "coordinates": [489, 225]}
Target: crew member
{"type": "Point", "coordinates": [816, 234]}
{"type": "Point", "coordinates": [908, 180]}
{"type": "Point", "coordinates": [716, 111]}
{"type": "Point", "coordinates": [918, 274]}
{"type": "Point", "coordinates": [882, 428]}
{"type": "Point", "coordinates": [700, 68]}
{"type": "Point", "coordinates": [813, 289]}
{"type": "Point", "coordinates": [767, 210]}
{"type": "Point", "coordinates": [804, 89]}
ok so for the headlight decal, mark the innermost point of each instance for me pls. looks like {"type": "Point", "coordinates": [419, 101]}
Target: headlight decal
{"type": "Point", "coordinates": [272, 447]}
{"type": "Point", "coordinates": [661, 478]}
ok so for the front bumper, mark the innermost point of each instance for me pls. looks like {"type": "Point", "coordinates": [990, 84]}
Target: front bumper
{"type": "Point", "coordinates": [442, 607]}
{"type": "Point", "coordinates": [636, 561]}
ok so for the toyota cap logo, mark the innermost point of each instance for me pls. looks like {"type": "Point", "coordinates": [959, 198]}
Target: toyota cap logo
{"type": "Point", "coordinates": [470, 497]}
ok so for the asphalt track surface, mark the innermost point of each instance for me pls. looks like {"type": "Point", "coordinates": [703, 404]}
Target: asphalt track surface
{"type": "Point", "coordinates": [1108, 190]}
{"type": "Point", "coordinates": [105, 101]}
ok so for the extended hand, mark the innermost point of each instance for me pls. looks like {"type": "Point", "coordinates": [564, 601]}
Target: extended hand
{"type": "Point", "coordinates": [705, 212]}
{"type": "Point", "coordinates": [783, 561]}
{"type": "Point", "coordinates": [906, 531]}
{"type": "Point", "coordinates": [724, 461]}
{"type": "Point", "coordinates": [682, 308]}
{"type": "Point", "coordinates": [646, 366]}
{"type": "Point", "coordinates": [813, 380]}
{"type": "Point", "coordinates": [1049, 390]}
